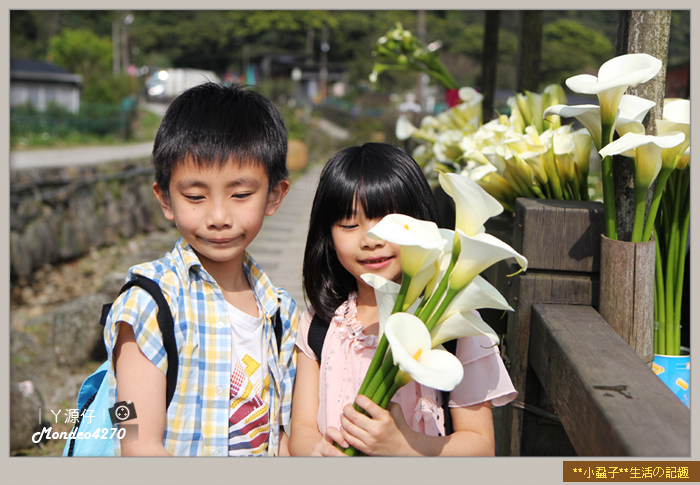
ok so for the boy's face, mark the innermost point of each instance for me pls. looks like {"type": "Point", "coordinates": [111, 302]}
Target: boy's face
{"type": "Point", "coordinates": [219, 210]}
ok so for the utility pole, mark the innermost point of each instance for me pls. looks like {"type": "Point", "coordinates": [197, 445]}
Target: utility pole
{"type": "Point", "coordinates": [323, 74]}
{"type": "Point", "coordinates": [489, 62]}
{"type": "Point", "coordinates": [530, 51]}
{"type": "Point", "coordinates": [115, 46]}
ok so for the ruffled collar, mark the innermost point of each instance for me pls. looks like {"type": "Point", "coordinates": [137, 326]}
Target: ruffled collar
{"type": "Point", "coordinates": [350, 328]}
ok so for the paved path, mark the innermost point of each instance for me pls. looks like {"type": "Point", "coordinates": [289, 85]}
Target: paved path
{"type": "Point", "coordinates": [279, 247]}
{"type": "Point", "coordinates": [78, 156]}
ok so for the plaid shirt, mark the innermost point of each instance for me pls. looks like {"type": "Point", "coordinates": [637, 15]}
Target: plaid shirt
{"type": "Point", "coordinates": [198, 417]}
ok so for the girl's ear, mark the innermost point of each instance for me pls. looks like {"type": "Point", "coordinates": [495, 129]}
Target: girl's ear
{"type": "Point", "coordinates": [164, 200]}
{"type": "Point", "coordinates": [275, 196]}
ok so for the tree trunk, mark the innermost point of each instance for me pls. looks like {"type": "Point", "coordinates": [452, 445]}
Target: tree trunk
{"type": "Point", "coordinates": [640, 31]}
{"type": "Point", "coordinates": [530, 51]}
{"type": "Point", "coordinates": [489, 62]}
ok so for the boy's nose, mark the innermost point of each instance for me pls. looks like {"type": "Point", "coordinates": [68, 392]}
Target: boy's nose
{"type": "Point", "coordinates": [218, 217]}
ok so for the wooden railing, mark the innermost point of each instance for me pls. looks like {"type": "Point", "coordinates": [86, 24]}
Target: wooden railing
{"type": "Point", "coordinates": [581, 389]}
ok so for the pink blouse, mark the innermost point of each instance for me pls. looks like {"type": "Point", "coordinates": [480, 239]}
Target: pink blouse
{"type": "Point", "coordinates": [347, 352]}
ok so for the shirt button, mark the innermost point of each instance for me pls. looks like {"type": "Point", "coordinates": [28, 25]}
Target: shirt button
{"type": "Point", "coordinates": [217, 453]}
{"type": "Point", "coordinates": [219, 389]}
{"type": "Point", "coordinates": [219, 324]}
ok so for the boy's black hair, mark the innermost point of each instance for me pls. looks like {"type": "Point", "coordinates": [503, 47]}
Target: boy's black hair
{"type": "Point", "coordinates": [211, 124]}
{"type": "Point", "coordinates": [382, 179]}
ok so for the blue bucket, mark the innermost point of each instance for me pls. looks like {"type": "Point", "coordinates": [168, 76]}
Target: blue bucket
{"type": "Point", "coordinates": [674, 371]}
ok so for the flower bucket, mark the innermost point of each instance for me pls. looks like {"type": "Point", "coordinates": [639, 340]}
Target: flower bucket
{"type": "Point", "coordinates": [674, 371]}
{"type": "Point", "coordinates": [627, 292]}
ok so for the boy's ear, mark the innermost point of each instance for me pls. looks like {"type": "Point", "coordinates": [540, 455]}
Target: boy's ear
{"type": "Point", "coordinates": [275, 196]}
{"type": "Point", "coordinates": [164, 200]}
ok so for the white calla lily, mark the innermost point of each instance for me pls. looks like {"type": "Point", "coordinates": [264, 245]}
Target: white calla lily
{"type": "Point", "coordinates": [385, 293]}
{"type": "Point", "coordinates": [473, 205]}
{"type": "Point", "coordinates": [676, 119]}
{"type": "Point", "coordinates": [411, 348]}
{"type": "Point", "coordinates": [478, 294]}
{"type": "Point", "coordinates": [458, 325]}
{"type": "Point", "coordinates": [614, 77]}
{"type": "Point", "coordinates": [420, 241]}
{"type": "Point", "coordinates": [647, 153]}
{"type": "Point", "coordinates": [587, 114]}
{"type": "Point", "coordinates": [404, 128]}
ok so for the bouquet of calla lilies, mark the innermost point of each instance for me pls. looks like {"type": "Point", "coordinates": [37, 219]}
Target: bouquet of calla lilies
{"type": "Point", "coordinates": [520, 155]}
{"type": "Point", "coordinates": [653, 155]}
{"type": "Point", "coordinates": [439, 290]}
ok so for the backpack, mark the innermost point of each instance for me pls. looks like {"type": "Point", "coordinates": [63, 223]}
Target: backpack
{"type": "Point", "coordinates": [317, 335]}
{"type": "Point", "coordinates": [95, 437]}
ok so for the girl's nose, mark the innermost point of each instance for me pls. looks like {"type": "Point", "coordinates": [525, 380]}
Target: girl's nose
{"type": "Point", "coordinates": [371, 243]}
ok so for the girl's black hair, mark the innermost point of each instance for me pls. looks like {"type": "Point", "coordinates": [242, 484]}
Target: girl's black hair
{"type": "Point", "coordinates": [212, 124]}
{"type": "Point", "coordinates": [382, 179]}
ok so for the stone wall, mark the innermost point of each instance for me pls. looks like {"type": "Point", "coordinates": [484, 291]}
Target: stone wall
{"type": "Point", "coordinates": [59, 214]}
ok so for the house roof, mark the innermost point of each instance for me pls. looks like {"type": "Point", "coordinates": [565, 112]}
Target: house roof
{"type": "Point", "coordinates": [31, 70]}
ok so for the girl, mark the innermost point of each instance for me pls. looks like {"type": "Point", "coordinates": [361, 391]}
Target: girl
{"type": "Point", "coordinates": [359, 186]}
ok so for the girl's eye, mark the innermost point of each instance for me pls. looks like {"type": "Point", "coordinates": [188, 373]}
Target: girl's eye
{"type": "Point", "coordinates": [348, 226]}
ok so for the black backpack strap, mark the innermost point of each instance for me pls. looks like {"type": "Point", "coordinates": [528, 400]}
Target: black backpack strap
{"type": "Point", "coordinates": [317, 334]}
{"type": "Point", "coordinates": [451, 347]}
{"type": "Point", "coordinates": [165, 324]}
{"type": "Point", "coordinates": [277, 324]}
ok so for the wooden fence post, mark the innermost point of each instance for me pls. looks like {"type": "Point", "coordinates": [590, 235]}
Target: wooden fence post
{"type": "Point", "coordinates": [561, 240]}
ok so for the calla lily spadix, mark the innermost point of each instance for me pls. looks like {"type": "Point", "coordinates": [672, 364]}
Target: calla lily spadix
{"type": "Point", "coordinates": [411, 348]}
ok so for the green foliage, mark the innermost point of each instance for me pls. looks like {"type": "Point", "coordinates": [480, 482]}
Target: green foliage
{"type": "Point", "coordinates": [570, 48]}
{"type": "Point", "coordinates": [109, 89]}
{"type": "Point", "coordinates": [82, 52]}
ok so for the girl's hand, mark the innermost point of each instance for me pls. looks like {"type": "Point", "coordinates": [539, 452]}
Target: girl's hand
{"type": "Point", "coordinates": [385, 433]}
{"type": "Point", "coordinates": [326, 447]}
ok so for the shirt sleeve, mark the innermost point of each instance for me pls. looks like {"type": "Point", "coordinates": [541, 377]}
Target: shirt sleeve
{"type": "Point", "coordinates": [303, 335]}
{"type": "Point", "coordinates": [137, 308]}
{"type": "Point", "coordinates": [485, 376]}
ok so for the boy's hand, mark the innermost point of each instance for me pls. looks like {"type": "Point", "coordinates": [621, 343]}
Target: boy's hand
{"type": "Point", "coordinates": [385, 433]}
{"type": "Point", "coordinates": [326, 447]}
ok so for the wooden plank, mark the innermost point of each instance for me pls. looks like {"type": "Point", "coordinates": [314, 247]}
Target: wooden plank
{"type": "Point", "coordinates": [527, 289]}
{"type": "Point", "coordinates": [559, 235]}
{"type": "Point", "coordinates": [609, 401]}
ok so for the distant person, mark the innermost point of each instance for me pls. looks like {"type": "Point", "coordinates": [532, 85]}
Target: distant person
{"type": "Point", "coordinates": [358, 186]}
{"type": "Point", "coordinates": [220, 168]}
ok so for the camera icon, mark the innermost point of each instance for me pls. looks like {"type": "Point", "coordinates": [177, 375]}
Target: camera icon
{"type": "Point", "coordinates": [122, 411]}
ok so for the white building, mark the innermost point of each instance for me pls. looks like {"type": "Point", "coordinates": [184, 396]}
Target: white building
{"type": "Point", "coordinates": [39, 83]}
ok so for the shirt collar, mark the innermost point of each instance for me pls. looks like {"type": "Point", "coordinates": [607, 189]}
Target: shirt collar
{"type": "Point", "coordinates": [265, 292]}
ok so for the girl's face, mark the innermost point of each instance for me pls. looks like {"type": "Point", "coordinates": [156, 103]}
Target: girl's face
{"type": "Point", "coordinates": [360, 254]}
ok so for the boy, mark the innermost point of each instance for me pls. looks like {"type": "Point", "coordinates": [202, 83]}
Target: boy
{"type": "Point", "coordinates": [220, 165]}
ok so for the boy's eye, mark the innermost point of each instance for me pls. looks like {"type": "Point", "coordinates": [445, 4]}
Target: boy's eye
{"type": "Point", "coordinates": [194, 198]}
{"type": "Point", "coordinates": [242, 196]}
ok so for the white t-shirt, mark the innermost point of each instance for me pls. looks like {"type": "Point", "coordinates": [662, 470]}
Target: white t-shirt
{"type": "Point", "coordinates": [249, 425]}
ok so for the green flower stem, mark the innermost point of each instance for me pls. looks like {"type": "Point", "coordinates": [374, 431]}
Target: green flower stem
{"type": "Point", "coordinates": [664, 174]}
{"type": "Point", "coordinates": [442, 287]}
{"type": "Point", "coordinates": [670, 276]}
{"type": "Point", "coordinates": [383, 344]}
{"type": "Point", "coordinates": [609, 199]}
{"type": "Point", "coordinates": [451, 293]}
{"type": "Point", "coordinates": [680, 270]}
{"type": "Point", "coordinates": [660, 304]}
{"type": "Point", "coordinates": [379, 376]}
{"type": "Point", "coordinates": [640, 206]}
{"type": "Point", "coordinates": [386, 384]}
{"type": "Point", "coordinates": [390, 393]}
{"type": "Point", "coordinates": [583, 187]}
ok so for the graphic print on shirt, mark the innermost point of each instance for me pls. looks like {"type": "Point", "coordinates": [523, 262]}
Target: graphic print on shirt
{"type": "Point", "coordinates": [249, 426]}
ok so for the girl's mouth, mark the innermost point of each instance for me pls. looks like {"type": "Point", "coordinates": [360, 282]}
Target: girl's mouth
{"type": "Point", "coordinates": [376, 263]}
